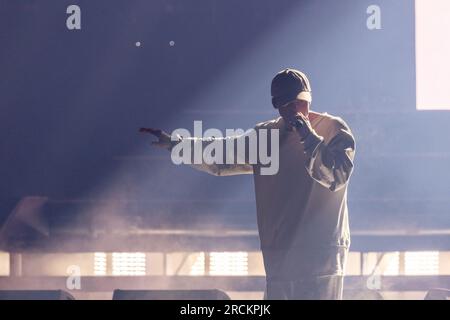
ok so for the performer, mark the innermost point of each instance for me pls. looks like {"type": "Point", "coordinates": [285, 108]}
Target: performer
{"type": "Point", "coordinates": [302, 210]}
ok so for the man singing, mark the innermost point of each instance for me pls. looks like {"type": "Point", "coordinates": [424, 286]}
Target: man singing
{"type": "Point", "coordinates": [302, 209]}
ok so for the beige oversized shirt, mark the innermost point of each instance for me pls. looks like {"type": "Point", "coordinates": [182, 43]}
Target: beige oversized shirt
{"type": "Point", "coordinates": [302, 210]}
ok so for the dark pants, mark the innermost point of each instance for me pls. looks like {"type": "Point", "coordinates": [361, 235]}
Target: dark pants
{"type": "Point", "coordinates": [314, 288]}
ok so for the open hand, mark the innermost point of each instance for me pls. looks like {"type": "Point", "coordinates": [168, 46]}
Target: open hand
{"type": "Point", "coordinates": [164, 139]}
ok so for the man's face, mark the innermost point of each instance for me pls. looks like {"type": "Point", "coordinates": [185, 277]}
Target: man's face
{"type": "Point", "coordinates": [290, 110]}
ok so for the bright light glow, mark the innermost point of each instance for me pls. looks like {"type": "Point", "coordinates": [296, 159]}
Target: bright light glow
{"type": "Point", "coordinates": [128, 264]}
{"type": "Point", "coordinates": [229, 263]}
{"type": "Point", "coordinates": [100, 263]}
{"type": "Point", "coordinates": [432, 52]}
{"type": "Point", "coordinates": [391, 264]}
{"type": "Point", "coordinates": [422, 263]}
{"type": "Point", "coordinates": [198, 267]}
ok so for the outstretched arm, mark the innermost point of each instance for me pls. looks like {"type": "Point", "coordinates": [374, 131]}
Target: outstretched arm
{"type": "Point", "coordinates": [232, 163]}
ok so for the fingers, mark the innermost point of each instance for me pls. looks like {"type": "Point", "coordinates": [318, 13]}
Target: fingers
{"type": "Point", "coordinates": [302, 116]}
{"type": "Point", "coordinates": [155, 132]}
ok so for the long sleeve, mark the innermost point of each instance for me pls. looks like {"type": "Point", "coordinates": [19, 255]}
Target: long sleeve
{"type": "Point", "coordinates": [232, 162]}
{"type": "Point", "coordinates": [330, 164]}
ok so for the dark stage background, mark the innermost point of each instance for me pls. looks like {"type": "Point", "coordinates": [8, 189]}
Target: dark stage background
{"type": "Point", "coordinates": [71, 103]}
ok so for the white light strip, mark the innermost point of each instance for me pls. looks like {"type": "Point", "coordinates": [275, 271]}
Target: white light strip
{"type": "Point", "coordinates": [391, 264]}
{"type": "Point", "coordinates": [229, 263]}
{"type": "Point", "coordinates": [198, 267]}
{"type": "Point", "coordinates": [128, 264]}
{"type": "Point", "coordinates": [100, 263]}
{"type": "Point", "coordinates": [421, 263]}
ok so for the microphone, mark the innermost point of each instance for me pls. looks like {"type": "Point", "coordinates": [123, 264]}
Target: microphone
{"type": "Point", "coordinates": [297, 123]}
